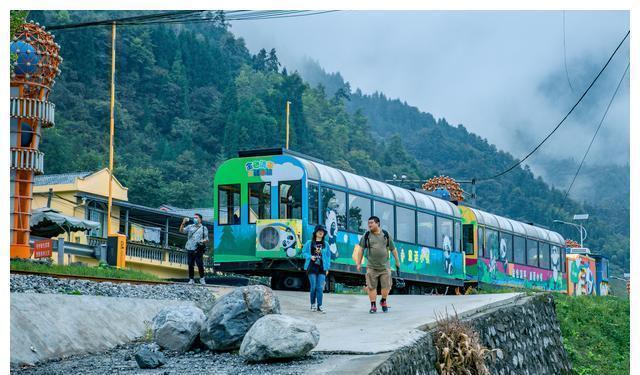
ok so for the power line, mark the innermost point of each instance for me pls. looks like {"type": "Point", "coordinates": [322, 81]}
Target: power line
{"type": "Point", "coordinates": [594, 136]}
{"type": "Point", "coordinates": [561, 121]}
{"type": "Point", "coordinates": [564, 45]}
{"type": "Point", "coordinates": [192, 16]}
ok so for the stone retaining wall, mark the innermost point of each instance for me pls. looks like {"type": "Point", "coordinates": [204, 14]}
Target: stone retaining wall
{"type": "Point", "coordinates": [526, 331]}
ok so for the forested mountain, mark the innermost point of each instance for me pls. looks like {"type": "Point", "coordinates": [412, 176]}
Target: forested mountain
{"type": "Point", "coordinates": [190, 96]}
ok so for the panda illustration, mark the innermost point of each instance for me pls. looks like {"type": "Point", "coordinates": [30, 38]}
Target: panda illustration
{"type": "Point", "coordinates": [555, 263]}
{"type": "Point", "coordinates": [503, 254]}
{"type": "Point", "coordinates": [446, 246]}
{"type": "Point", "coordinates": [331, 223]}
{"type": "Point", "coordinates": [289, 242]}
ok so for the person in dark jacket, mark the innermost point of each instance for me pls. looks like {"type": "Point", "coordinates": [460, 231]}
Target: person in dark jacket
{"type": "Point", "coordinates": [317, 263]}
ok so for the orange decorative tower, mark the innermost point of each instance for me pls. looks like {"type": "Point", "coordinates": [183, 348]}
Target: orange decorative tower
{"type": "Point", "coordinates": [32, 77]}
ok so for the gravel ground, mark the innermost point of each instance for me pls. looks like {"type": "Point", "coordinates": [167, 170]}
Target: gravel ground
{"type": "Point", "coordinates": [120, 360]}
{"type": "Point", "coordinates": [202, 296]}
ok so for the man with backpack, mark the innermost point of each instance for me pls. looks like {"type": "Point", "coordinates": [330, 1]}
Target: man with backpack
{"type": "Point", "coordinates": [377, 243]}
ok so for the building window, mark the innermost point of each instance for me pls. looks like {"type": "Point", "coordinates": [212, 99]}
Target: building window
{"type": "Point", "coordinates": [229, 204]}
{"type": "Point", "coordinates": [384, 211]}
{"type": "Point", "coordinates": [519, 253]}
{"type": "Point", "coordinates": [481, 242]}
{"type": "Point", "coordinates": [426, 229]}
{"type": "Point", "coordinates": [259, 201]}
{"type": "Point", "coordinates": [290, 199]}
{"type": "Point", "coordinates": [313, 204]}
{"type": "Point", "coordinates": [532, 253]}
{"type": "Point", "coordinates": [506, 241]}
{"type": "Point", "coordinates": [359, 213]}
{"type": "Point", "coordinates": [334, 202]}
{"type": "Point", "coordinates": [406, 224]}
{"type": "Point", "coordinates": [544, 256]}
{"type": "Point", "coordinates": [99, 215]}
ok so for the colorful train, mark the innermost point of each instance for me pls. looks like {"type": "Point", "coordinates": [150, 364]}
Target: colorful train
{"type": "Point", "coordinates": [267, 203]}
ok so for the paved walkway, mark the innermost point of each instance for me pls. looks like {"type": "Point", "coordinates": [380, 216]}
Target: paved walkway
{"type": "Point", "coordinates": [347, 326]}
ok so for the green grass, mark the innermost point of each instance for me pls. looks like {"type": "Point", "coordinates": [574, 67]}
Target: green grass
{"type": "Point", "coordinates": [595, 333]}
{"type": "Point", "coordinates": [77, 270]}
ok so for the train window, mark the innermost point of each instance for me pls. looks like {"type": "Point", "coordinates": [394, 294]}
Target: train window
{"type": "Point", "coordinates": [359, 213]}
{"type": "Point", "coordinates": [259, 201]}
{"type": "Point", "coordinates": [481, 242]}
{"type": "Point", "coordinates": [519, 253]}
{"type": "Point", "coordinates": [426, 229]}
{"type": "Point", "coordinates": [229, 204]}
{"type": "Point", "coordinates": [543, 255]}
{"type": "Point", "coordinates": [563, 259]}
{"type": "Point", "coordinates": [445, 233]}
{"type": "Point", "coordinates": [406, 224]}
{"type": "Point", "coordinates": [492, 244]}
{"type": "Point", "coordinates": [467, 239]}
{"type": "Point", "coordinates": [290, 199]}
{"type": "Point", "coordinates": [313, 204]}
{"type": "Point", "coordinates": [605, 269]}
{"type": "Point", "coordinates": [334, 202]}
{"type": "Point", "coordinates": [385, 212]}
{"type": "Point", "coordinates": [457, 235]}
{"type": "Point", "coordinates": [506, 246]}
{"type": "Point", "coordinates": [532, 253]}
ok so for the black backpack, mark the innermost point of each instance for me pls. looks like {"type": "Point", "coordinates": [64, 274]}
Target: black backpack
{"type": "Point", "coordinates": [366, 238]}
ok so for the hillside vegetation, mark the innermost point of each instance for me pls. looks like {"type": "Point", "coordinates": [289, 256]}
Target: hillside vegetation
{"type": "Point", "coordinates": [188, 97]}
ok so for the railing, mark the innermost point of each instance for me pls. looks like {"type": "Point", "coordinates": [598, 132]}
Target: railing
{"type": "Point", "coordinates": [27, 159]}
{"type": "Point", "coordinates": [33, 109]}
{"type": "Point", "coordinates": [148, 252]}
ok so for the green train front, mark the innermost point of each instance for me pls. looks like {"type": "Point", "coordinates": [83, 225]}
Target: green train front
{"type": "Point", "coordinates": [268, 202]}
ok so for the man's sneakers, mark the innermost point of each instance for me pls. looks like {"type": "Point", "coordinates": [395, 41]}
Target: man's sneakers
{"type": "Point", "coordinates": [320, 310]}
{"type": "Point", "coordinates": [190, 281]}
{"type": "Point", "coordinates": [383, 304]}
{"type": "Point", "coordinates": [313, 308]}
{"type": "Point", "coordinates": [202, 281]}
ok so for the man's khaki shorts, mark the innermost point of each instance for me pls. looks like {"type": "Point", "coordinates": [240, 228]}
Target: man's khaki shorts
{"type": "Point", "coordinates": [378, 276]}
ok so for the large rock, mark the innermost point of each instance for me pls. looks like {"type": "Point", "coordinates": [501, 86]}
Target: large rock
{"type": "Point", "coordinates": [148, 356]}
{"type": "Point", "coordinates": [279, 337]}
{"type": "Point", "coordinates": [233, 314]}
{"type": "Point", "coordinates": [176, 327]}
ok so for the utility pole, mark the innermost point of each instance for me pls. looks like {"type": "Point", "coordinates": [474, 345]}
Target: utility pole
{"type": "Point", "coordinates": [111, 123]}
{"type": "Point", "coordinates": [287, 143]}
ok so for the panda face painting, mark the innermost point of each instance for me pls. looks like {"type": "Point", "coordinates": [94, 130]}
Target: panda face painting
{"type": "Point", "coordinates": [289, 243]}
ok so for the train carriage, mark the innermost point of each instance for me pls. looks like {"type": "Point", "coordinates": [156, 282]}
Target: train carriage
{"type": "Point", "coordinates": [268, 201]}
{"type": "Point", "coordinates": [507, 252]}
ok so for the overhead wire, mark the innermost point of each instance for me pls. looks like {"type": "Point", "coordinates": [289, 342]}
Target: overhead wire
{"type": "Point", "coordinates": [604, 115]}
{"type": "Point", "coordinates": [564, 45]}
{"type": "Point", "coordinates": [516, 164]}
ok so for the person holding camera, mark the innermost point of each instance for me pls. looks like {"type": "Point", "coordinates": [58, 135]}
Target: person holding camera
{"type": "Point", "coordinates": [317, 263]}
{"type": "Point", "coordinates": [197, 239]}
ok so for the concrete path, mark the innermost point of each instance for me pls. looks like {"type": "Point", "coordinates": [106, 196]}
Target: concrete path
{"type": "Point", "coordinates": [347, 326]}
{"type": "Point", "coordinates": [45, 326]}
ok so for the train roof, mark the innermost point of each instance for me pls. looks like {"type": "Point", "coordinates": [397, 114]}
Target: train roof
{"type": "Point", "coordinates": [517, 227]}
{"type": "Point", "coordinates": [317, 170]}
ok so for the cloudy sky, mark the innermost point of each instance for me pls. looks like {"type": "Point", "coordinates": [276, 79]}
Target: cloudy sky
{"type": "Point", "coordinates": [501, 74]}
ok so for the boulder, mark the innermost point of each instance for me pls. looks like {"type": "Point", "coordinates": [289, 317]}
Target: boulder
{"type": "Point", "coordinates": [176, 327]}
{"type": "Point", "coordinates": [279, 337]}
{"type": "Point", "coordinates": [233, 314]}
{"type": "Point", "coordinates": [149, 357]}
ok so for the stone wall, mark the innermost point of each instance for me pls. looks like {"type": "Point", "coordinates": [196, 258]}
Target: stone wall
{"type": "Point", "coordinates": [525, 330]}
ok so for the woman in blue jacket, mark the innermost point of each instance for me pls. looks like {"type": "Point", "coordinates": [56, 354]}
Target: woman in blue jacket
{"type": "Point", "coordinates": [317, 262]}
